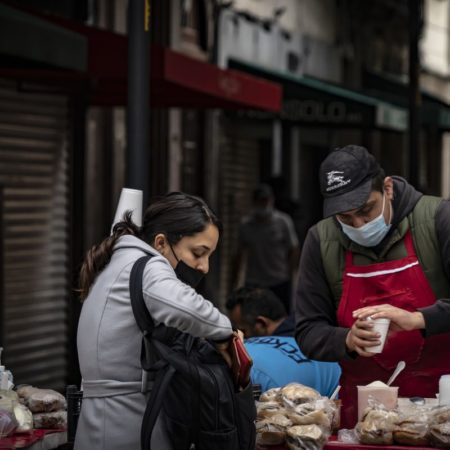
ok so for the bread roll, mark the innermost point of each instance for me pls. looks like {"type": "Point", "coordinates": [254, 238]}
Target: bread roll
{"type": "Point", "coordinates": [270, 396]}
{"type": "Point", "coordinates": [307, 414]}
{"type": "Point", "coordinates": [440, 435]}
{"type": "Point", "coordinates": [441, 414]}
{"type": "Point", "coordinates": [412, 429]}
{"type": "Point", "coordinates": [296, 394]}
{"type": "Point", "coordinates": [267, 409]}
{"type": "Point", "coordinates": [377, 427]}
{"type": "Point", "coordinates": [272, 431]}
{"type": "Point", "coordinates": [300, 437]}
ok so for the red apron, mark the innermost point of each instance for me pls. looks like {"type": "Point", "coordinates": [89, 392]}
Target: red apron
{"type": "Point", "coordinates": [401, 283]}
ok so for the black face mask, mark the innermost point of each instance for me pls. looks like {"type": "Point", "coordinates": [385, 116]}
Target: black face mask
{"type": "Point", "coordinates": [187, 274]}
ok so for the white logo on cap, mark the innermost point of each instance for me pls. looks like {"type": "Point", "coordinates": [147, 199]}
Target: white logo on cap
{"type": "Point", "coordinates": [336, 176]}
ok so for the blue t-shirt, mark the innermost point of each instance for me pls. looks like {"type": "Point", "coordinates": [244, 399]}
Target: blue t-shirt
{"type": "Point", "coordinates": [277, 361]}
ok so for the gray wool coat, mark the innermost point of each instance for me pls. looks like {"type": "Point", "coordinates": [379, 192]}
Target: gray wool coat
{"type": "Point", "coordinates": [109, 343]}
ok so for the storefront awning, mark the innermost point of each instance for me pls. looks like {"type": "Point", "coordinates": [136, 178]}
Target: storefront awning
{"type": "Point", "coordinates": [434, 111]}
{"type": "Point", "coordinates": [314, 102]}
{"type": "Point", "coordinates": [181, 81]}
{"type": "Point", "coordinates": [176, 80]}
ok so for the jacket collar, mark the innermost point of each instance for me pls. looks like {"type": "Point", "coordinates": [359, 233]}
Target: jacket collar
{"type": "Point", "coordinates": [129, 241]}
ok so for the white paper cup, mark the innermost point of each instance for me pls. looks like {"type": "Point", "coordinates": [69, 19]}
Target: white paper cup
{"type": "Point", "coordinates": [130, 200]}
{"type": "Point", "coordinates": [382, 327]}
{"type": "Point", "coordinates": [444, 390]}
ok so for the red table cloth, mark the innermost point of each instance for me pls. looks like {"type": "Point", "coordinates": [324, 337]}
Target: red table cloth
{"type": "Point", "coordinates": [24, 440]}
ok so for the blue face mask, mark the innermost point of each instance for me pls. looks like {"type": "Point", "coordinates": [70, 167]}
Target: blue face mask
{"type": "Point", "coordinates": [370, 234]}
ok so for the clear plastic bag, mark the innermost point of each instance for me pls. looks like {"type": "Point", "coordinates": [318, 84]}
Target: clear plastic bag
{"type": "Point", "coordinates": [8, 423]}
{"type": "Point", "coordinates": [295, 394]}
{"type": "Point", "coordinates": [347, 436]}
{"type": "Point", "coordinates": [50, 420]}
{"type": "Point", "coordinates": [270, 396]}
{"type": "Point", "coordinates": [272, 431]}
{"type": "Point", "coordinates": [440, 435]}
{"type": "Point", "coordinates": [319, 412]}
{"type": "Point", "coordinates": [412, 427]}
{"type": "Point", "coordinates": [267, 409]}
{"type": "Point", "coordinates": [41, 400]}
{"type": "Point", "coordinates": [24, 418]}
{"type": "Point", "coordinates": [377, 426]}
{"type": "Point", "coordinates": [306, 437]}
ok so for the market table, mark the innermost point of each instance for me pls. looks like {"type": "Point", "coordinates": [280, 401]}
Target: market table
{"type": "Point", "coordinates": [333, 444]}
{"type": "Point", "coordinates": [37, 440]}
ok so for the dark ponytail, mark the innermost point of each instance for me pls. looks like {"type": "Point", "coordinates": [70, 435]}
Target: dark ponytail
{"type": "Point", "coordinates": [100, 255]}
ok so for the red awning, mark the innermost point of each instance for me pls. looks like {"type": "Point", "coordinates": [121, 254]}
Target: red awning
{"type": "Point", "coordinates": [176, 80]}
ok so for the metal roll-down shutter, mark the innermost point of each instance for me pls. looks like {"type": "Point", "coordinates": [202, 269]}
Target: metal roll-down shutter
{"type": "Point", "coordinates": [34, 183]}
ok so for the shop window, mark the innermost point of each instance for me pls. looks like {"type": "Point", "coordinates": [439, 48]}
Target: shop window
{"type": "Point", "coordinates": [195, 28]}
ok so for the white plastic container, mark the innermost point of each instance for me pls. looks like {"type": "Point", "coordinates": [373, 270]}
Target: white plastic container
{"type": "Point", "coordinates": [444, 390]}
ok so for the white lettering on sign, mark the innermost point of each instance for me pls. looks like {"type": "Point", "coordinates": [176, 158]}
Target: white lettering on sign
{"type": "Point", "coordinates": [229, 85]}
{"type": "Point", "coordinates": [316, 111]}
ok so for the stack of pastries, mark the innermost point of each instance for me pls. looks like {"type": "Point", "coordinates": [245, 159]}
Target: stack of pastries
{"type": "Point", "coordinates": [296, 415]}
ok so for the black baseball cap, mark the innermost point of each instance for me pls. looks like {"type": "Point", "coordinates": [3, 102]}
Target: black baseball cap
{"type": "Point", "coordinates": [346, 179]}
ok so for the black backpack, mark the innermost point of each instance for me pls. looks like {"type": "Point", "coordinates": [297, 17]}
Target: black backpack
{"type": "Point", "coordinates": [193, 397]}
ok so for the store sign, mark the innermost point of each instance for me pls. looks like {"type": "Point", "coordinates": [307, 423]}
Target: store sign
{"type": "Point", "coordinates": [334, 112]}
{"type": "Point", "coordinates": [312, 111]}
{"type": "Point", "coordinates": [388, 116]}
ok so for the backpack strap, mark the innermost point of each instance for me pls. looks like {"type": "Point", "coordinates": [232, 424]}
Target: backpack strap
{"type": "Point", "coordinates": [140, 311]}
{"type": "Point", "coordinates": [165, 372]}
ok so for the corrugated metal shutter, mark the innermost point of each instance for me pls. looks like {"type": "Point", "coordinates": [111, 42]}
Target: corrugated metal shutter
{"type": "Point", "coordinates": [34, 179]}
{"type": "Point", "coordinates": [239, 175]}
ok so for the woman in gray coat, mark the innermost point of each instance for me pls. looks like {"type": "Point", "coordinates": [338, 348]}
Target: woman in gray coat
{"type": "Point", "coordinates": [181, 232]}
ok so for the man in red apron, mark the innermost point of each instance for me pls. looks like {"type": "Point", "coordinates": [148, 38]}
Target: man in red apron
{"type": "Point", "coordinates": [382, 243]}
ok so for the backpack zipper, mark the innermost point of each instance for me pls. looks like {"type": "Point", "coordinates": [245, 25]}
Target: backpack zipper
{"type": "Point", "coordinates": [230, 385]}
{"type": "Point", "coordinates": [216, 407]}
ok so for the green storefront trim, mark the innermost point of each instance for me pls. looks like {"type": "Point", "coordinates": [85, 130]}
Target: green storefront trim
{"type": "Point", "coordinates": [316, 102]}
{"type": "Point", "coordinates": [27, 37]}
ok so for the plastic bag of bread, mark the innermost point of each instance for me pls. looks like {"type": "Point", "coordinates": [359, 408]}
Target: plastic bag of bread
{"type": "Point", "coordinates": [305, 437]}
{"type": "Point", "coordinates": [377, 426]}
{"type": "Point", "coordinates": [318, 412]}
{"type": "Point", "coordinates": [440, 414]}
{"type": "Point", "coordinates": [270, 396]}
{"type": "Point", "coordinates": [295, 394]}
{"type": "Point", "coordinates": [412, 427]}
{"type": "Point", "coordinates": [41, 400]}
{"type": "Point", "coordinates": [272, 431]}
{"type": "Point", "coordinates": [8, 422]}
{"type": "Point", "coordinates": [440, 434]}
{"type": "Point", "coordinates": [52, 420]}
{"type": "Point", "coordinates": [9, 394]}
{"type": "Point", "coordinates": [24, 418]}
{"type": "Point", "coordinates": [267, 409]}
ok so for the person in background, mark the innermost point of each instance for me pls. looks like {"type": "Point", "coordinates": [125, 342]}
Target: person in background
{"type": "Point", "coordinates": [269, 248]}
{"type": "Point", "coordinates": [277, 360]}
{"type": "Point", "coordinates": [181, 232]}
{"type": "Point", "coordinates": [381, 242]}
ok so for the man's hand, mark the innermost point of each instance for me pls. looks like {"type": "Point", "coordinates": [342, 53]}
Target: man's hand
{"type": "Point", "coordinates": [361, 337]}
{"type": "Point", "coordinates": [400, 318]}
